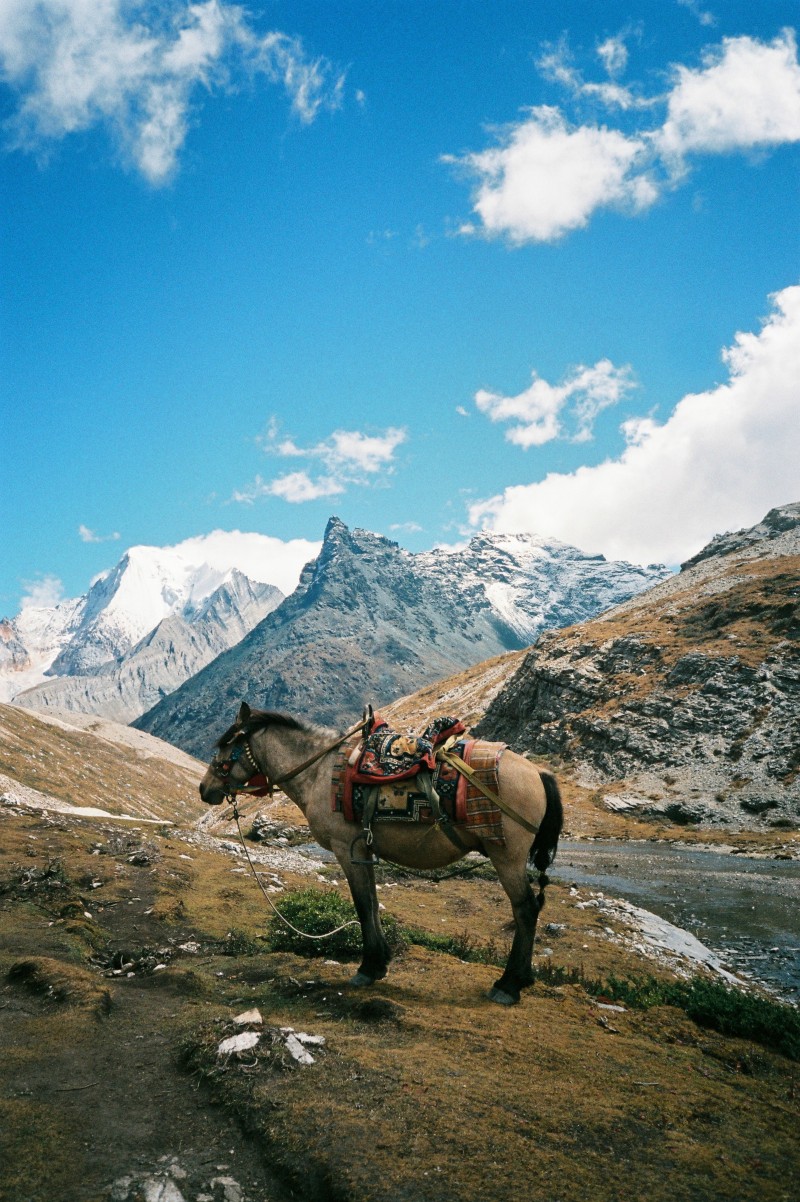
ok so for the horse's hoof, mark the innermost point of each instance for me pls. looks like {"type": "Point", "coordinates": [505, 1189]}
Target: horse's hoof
{"type": "Point", "coordinates": [361, 978]}
{"type": "Point", "coordinates": [501, 997]}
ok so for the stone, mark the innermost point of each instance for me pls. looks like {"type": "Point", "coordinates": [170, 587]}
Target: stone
{"type": "Point", "coordinates": [238, 1043]}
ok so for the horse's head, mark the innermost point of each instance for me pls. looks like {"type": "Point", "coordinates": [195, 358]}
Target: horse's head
{"type": "Point", "coordinates": [233, 768]}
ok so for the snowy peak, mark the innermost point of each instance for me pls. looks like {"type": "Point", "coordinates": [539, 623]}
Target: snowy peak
{"type": "Point", "coordinates": [147, 586]}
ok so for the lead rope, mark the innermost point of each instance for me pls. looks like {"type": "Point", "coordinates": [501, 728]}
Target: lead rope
{"type": "Point", "coordinates": [305, 935]}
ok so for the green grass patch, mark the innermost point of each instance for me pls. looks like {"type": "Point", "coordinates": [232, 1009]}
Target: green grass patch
{"type": "Point", "coordinates": [318, 913]}
{"type": "Point", "coordinates": [462, 945]}
{"type": "Point", "coordinates": [708, 1003]}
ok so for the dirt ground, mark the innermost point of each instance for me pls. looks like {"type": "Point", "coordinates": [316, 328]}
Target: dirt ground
{"type": "Point", "coordinates": [127, 953]}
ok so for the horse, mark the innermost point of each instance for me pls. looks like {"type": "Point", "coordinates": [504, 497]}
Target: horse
{"type": "Point", "coordinates": [263, 749]}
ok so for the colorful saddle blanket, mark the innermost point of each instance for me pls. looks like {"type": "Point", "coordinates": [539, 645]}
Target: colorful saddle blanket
{"type": "Point", "coordinates": [389, 755]}
{"type": "Point", "coordinates": [402, 800]}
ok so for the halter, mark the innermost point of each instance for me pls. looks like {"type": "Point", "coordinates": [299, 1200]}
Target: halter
{"type": "Point", "coordinates": [259, 784]}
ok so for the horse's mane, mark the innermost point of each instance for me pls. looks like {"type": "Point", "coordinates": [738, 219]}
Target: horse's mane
{"type": "Point", "coordinates": [257, 721]}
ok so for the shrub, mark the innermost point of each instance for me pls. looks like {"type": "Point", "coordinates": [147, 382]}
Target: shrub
{"type": "Point", "coordinates": [319, 912]}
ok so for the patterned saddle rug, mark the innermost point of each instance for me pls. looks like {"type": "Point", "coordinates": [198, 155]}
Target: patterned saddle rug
{"type": "Point", "coordinates": [401, 799]}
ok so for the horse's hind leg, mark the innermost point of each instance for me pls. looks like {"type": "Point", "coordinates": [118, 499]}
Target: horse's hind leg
{"type": "Point", "coordinates": [525, 906]}
{"type": "Point", "coordinates": [377, 953]}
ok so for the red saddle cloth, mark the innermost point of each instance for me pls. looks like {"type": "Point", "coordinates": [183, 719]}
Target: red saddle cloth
{"type": "Point", "coordinates": [403, 801]}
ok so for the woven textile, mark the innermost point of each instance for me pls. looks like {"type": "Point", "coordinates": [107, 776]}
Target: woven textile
{"type": "Point", "coordinates": [404, 801]}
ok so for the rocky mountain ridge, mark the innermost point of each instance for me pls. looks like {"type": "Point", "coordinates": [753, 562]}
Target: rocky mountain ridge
{"type": "Point", "coordinates": [684, 700]}
{"type": "Point", "coordinates": [370, 621]}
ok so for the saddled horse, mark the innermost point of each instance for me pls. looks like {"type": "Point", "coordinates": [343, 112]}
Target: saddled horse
{"type": "Point", "coordinates": [300, 757]}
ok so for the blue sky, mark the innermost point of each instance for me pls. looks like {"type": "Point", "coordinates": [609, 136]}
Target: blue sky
{"type": "Point", "coordinates": [427, 266]}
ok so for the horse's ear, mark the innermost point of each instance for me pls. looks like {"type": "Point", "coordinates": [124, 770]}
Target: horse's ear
{"type": "Point", "coordinates": [243, 715]}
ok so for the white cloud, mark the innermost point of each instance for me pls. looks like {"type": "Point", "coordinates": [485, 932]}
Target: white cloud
{"type": "Point", "coordinates": [294, 487]}
{"type": "Point", "coordinates": [42, 593]}
{"type": "Point", "coordinates": [537, 412]}
{"type": "Point", "coordinates": [613, 53]}
{"type": "Point", "coordinates": [260, 556]}
{"type": "Point", "coordinates": [746, 94]}
{"type": "Point", "coordinates": [137, 71]}
{"type": "Point", "coordinates": [406, 527]}
{"type": "Point", "coordinates": [703, 15]}
{"type": "Point", "coordinates": [90, 536]}
{"type": "Point", "coordinates": [347, 456]}
{"type": "Point", "coordinates": [546, 177]}
{"type": "Point", "coordinates": [556, 64]}
{"type": "Point", "coordinates": [722, 459]}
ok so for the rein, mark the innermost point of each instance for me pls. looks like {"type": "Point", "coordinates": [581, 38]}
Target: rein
{"type": "Point", "coordinates": [247, 788]}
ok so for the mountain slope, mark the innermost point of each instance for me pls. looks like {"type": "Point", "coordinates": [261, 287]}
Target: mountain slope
{"type": "Point", "coordinates": [46, 763]}
{"type": "Point", "coordinates": [370, 621]}
{"type": "Point", "coordinates": [689, 692]}
{"type": "Point", "coordinates": [175, 650]}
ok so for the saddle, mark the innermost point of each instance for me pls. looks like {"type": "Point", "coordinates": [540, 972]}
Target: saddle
{"type": "Point", "coordinates": [398, 777]}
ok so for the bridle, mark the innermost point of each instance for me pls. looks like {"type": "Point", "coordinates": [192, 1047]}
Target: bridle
{"type": "Point", "coordinates": [240, 749]}
{"type": "Point", "coordinates": [259, 784]}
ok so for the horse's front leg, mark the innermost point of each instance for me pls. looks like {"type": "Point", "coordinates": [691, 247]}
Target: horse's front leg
{"type": "Point", "coordinates": [377, 953]}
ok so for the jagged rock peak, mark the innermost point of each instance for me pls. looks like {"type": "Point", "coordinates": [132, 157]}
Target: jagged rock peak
{"type": "Point", "coordinates": [777, 522]}
{"type": "Point", "coordinates": [359, 541]}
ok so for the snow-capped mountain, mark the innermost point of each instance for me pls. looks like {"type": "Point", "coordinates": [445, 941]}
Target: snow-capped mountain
{"type": "Point", "coordinates": [370, 621]}
{"type": "Point", "coordinates": [209, 591]}
{"type": "Point", "coordinates": [178, 647]}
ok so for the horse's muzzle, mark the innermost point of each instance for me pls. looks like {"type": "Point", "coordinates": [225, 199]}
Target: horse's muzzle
{"type": "Point", "coordinates": [212, 794]}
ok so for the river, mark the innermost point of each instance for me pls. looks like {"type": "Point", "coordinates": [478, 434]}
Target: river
{"type": "Point", "coordinates": [746, 910]}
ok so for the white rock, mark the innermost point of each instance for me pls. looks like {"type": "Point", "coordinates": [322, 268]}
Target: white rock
{"type": "Point", "coordinates": [297, 1051]}
{"type": "Point", "coordinates": [157, 1189]}
{"type": "Point", "coordinates": [248, 1016]}
{"type": "Point", "coordinates": [231, 1190]}
{"type": "Point", "coordinates": [238, 1043]}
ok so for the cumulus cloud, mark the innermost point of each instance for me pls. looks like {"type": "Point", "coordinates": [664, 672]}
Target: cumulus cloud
{"type": "Point", "coordinates": [347, 457]}
{"type": "Point", "coordinates": [90, 536]}
{"type": "Point", "coordinates": [294, 487]}
{"type": "Point", "coordinates": [721, 460]}
{"type": "Point", "coordinates": [537, 413]}
{"type": "Point", "coordinates": [42, 593]}
{"type": "Point", "coordinates": [260, 556]}
{"type": "Point", "coordinates": [545, 177]}
{"type": "Point", "coordinates": [746, 95]}
{"type": "Point", "coordinates": [137, 71]}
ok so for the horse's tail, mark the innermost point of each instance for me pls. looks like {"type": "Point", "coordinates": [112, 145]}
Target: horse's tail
{"type": "Point", "coordinates": [545, 845]}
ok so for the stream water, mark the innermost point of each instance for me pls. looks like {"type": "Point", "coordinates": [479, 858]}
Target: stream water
{"type": "Point", "coordinates": [746, 910]}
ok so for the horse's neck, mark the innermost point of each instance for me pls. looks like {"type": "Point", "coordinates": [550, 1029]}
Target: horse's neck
{"type": "Point", "coordinates": [282, 749]}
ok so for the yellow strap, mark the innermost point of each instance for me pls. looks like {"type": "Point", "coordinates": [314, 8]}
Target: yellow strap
{"type": "Point", "coordinates": [456, 762]}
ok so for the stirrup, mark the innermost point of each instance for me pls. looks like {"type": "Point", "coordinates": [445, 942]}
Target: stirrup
{"type": "Point", "coordinates": [375, 859]}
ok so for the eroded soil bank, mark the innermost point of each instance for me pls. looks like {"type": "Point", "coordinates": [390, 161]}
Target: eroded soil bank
{"type": "Point", "coordinates": [142, 948]}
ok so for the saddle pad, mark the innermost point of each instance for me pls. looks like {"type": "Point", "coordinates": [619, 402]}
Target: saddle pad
{"type": "Point", "coordinates": [403, 801]}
